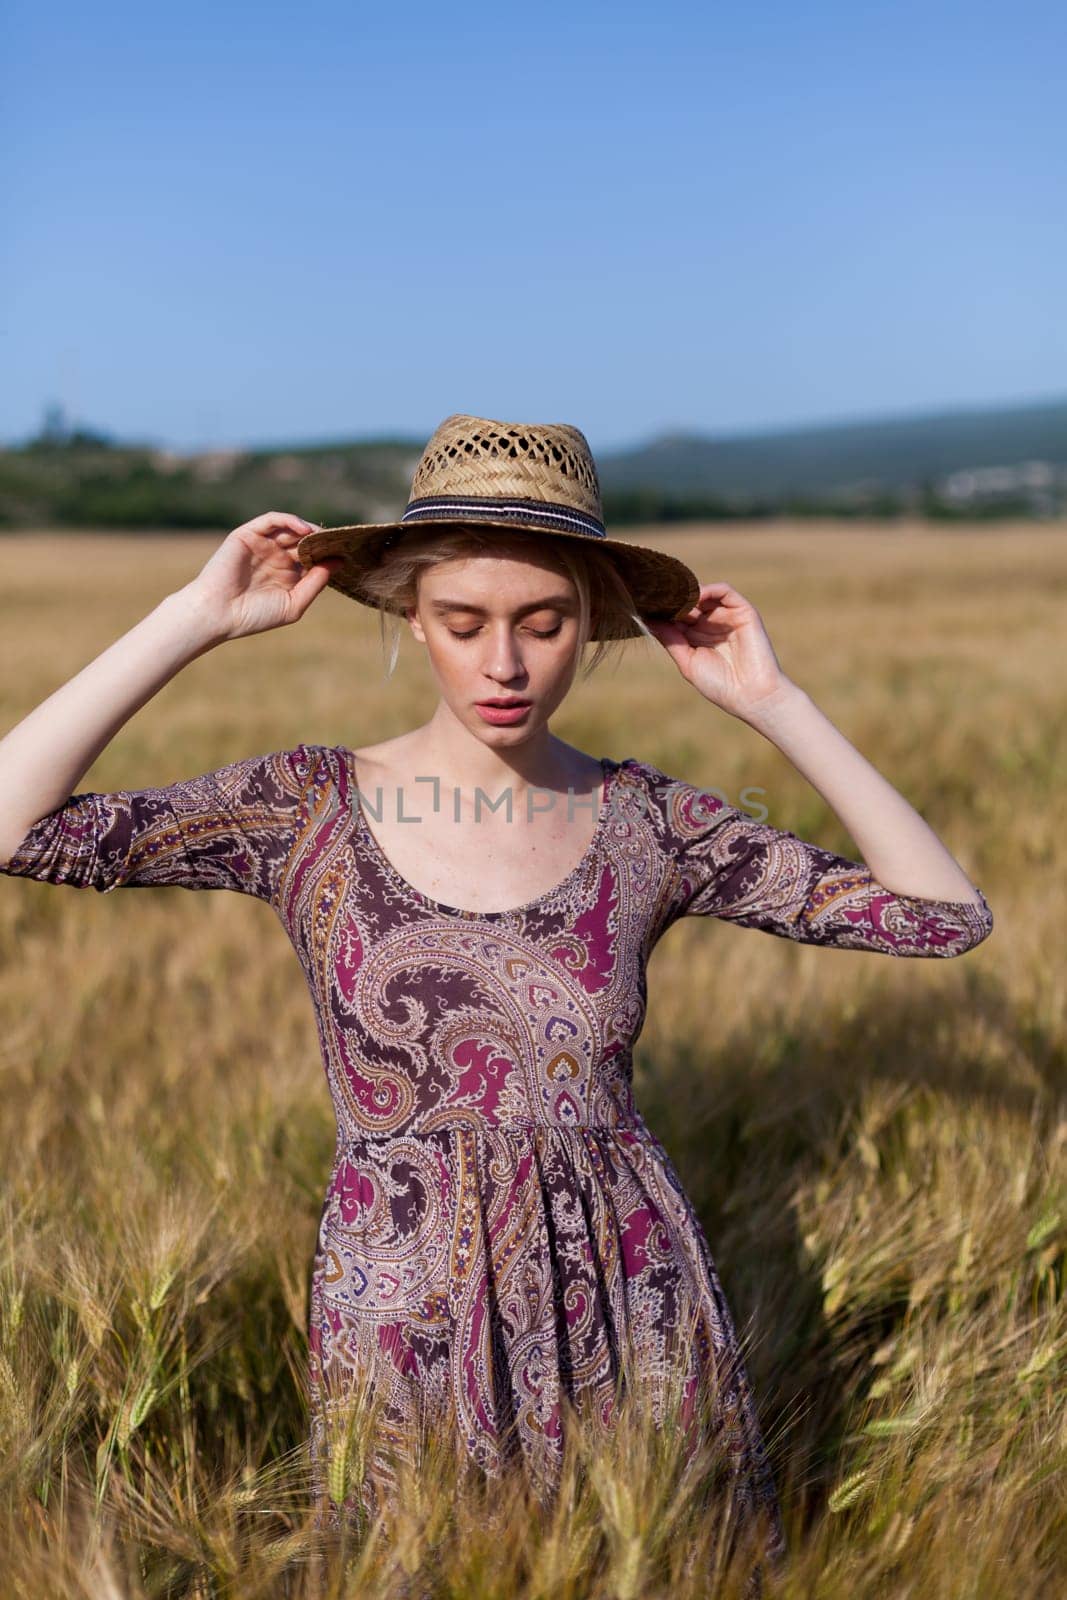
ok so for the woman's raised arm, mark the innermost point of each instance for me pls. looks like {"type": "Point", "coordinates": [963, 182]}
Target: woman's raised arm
{"type": "Point", "coordinates": [723, 650]}
{"type": "Point", "coordinates": [251, 583]}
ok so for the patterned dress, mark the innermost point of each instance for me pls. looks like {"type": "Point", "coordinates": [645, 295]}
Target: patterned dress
{"type": "Point", "coordinates": [501, 1230]}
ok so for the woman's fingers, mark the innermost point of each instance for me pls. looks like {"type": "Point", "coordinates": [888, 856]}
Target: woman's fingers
{"type": "Point", "coordinates": [275, 533]}
{"type": "Point", "coordinates": [714, 595]}
{"type": "Point", "coordinates": [281, 519]}
{"type": "Point", "coordinates": [721, 594]}
{"type": "Point", "coordinates": [278, 527]}
{"type": "Point", "coordinates": [306, 588]}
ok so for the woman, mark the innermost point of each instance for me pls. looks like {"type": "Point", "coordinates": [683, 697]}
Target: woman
{"type": "Point", "coordinates": [502, 1235]}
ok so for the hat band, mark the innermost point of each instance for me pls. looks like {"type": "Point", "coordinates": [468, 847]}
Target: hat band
{"type": "Point", "coordinates": [432, 508]}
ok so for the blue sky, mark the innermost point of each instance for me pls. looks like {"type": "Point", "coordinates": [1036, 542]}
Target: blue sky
{"type": "Point", "coordinates": [239, 224]}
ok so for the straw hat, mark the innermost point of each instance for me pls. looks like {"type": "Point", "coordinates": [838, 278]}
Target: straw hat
{"type": "Point", "coordinates": [533, 478]}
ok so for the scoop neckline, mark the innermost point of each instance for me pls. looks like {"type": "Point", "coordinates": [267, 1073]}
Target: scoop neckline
{"type": "Point", "coordinates": [608, 768]}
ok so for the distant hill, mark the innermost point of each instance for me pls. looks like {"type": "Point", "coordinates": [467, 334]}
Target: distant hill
{"type": "Point", "coordinates": [953, 452]}
{"type": "Point", "coordinates": [989, 462]}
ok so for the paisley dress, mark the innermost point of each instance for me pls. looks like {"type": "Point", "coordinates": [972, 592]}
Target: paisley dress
{"type": "Point", "coordinates": [501, 1231]}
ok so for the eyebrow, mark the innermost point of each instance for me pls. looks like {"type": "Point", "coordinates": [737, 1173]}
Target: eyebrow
{"type": "Point", "coordinates": [562, 602]}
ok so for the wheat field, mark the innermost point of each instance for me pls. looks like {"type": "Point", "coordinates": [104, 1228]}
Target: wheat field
{"type": "Point", "coordinates": [876, 1146]}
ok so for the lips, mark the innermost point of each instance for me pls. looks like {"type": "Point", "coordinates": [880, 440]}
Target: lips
{"type": "Point", "coordinates": [505, 705]}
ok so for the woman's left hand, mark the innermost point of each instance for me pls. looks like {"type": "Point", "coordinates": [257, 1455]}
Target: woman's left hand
{"type": "Point", "coordinates": [721, 647]}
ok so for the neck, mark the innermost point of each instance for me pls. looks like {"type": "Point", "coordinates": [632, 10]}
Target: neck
{"type": "Point", "coordinates": [443, 748]}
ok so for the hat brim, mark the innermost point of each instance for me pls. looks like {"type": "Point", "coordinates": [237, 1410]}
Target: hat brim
{"type": "Point", "coordinates": [664, 588]}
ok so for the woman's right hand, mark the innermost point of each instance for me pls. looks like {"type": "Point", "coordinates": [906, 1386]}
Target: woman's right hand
{"type": "Point", "coordinates": [254, 581]}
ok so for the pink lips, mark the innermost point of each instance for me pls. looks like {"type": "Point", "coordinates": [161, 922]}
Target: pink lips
{"type": "Point", "coordinates": [502, 711]}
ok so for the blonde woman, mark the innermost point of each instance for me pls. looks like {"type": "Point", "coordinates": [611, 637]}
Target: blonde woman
{"type": "Point", "coordinates": [473, 905]}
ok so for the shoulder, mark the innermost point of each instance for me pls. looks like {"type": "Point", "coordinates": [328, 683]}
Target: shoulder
{"type": "Point", "coordinates": [377, 763]}
{"type": "Point", "coordinates": [298, 764]}
{"type": "Point", "coordinates": [279, 778]}
{"type": "Point", "coordinates": [679, 807]}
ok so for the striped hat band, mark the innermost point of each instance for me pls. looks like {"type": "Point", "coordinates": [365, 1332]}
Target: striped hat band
{"type": "Point", "coordinates": [541, 513]}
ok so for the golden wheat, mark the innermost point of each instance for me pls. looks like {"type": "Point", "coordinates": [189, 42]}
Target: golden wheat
{"type": "Point", "coordinates": [876, 1146]}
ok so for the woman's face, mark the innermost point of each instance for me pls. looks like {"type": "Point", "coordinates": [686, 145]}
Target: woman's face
{"type": "Point", "coordinates": [498, 626]}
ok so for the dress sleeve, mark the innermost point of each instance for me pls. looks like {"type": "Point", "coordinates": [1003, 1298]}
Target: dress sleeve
{"type": "Point", "coordinates": [728, 865]}
{"type": "Point", "coordinates": [233, 828]}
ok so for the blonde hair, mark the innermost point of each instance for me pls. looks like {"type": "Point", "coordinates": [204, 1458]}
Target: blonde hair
{"type": "Point", "coordinates": [603, 596]}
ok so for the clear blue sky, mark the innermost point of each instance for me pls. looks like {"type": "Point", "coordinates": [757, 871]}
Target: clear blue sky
{"type": "Point", "coordinates": [252, 224]}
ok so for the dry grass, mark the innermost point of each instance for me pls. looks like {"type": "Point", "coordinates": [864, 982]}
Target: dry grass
{"type": "Point", "coordinates": [876, 1146]}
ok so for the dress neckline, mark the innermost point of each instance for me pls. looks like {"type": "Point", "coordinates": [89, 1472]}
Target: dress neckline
{"type": "Point", "coordinates": [608, 768]}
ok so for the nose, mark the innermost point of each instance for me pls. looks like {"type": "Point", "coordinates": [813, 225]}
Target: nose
{"type": "Point", "coordinates": [503, 657]}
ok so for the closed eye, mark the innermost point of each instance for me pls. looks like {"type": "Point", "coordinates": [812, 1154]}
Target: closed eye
{"type": "Point", "coordinates": [551, 634]}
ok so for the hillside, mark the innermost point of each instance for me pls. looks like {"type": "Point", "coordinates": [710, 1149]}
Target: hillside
{"type": "Point", "coordinates": [1007, 461]}
{"type": "Point", "coordinates": [962, 454]}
